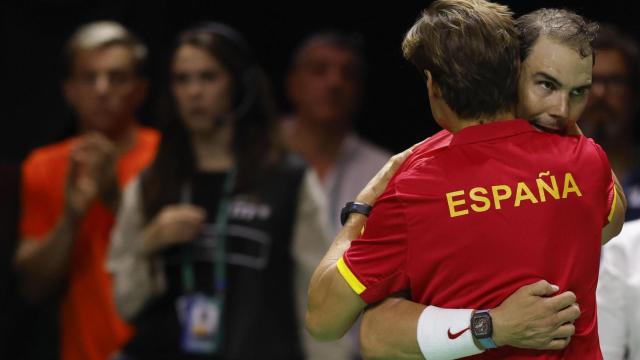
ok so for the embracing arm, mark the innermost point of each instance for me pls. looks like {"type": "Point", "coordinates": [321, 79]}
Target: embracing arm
{"type": "Point", "coordinates": [529, 318]}
{"type": "Point", "coordinates": [333, 306]}
{"type": "Point", "coordinates": [619, 207]}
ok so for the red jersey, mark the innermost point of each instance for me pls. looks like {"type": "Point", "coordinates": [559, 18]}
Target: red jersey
{"type": "Point", "coordinates": [473, 216]}
{"type": "Point", "coordinates": [90, 328]}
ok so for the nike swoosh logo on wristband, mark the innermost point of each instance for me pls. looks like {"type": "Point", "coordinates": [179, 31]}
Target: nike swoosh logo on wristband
{"type": "Point", "coordinates": [456, 335]}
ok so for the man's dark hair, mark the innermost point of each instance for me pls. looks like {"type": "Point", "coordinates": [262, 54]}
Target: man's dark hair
{"type": "Point", "coordinates": [352, 42]}
{"type": "Point", "coordinates": [562, 25]}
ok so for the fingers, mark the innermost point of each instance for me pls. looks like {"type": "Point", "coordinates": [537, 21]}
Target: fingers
{"type": "Point", "coordinates": [568, 315]}
{"type": "Point", "coordinates": [72, 173]}
{"type": "Point", "coordinates": [96, 140]}
{"type": "Point", "coordinates": [87, 187]}
{"type": "Point", "coordinates": [189, 220]}
{"type": "Point", "coordinates": [186, 212]}
{"type": "Point", "coordinates": [180, 223]}
{"type": "Point", "coordinates": [561, 301]}
{"type": "Point", "coordinates": [557, 344]}
{"type": "Point", "coordinates": [376, 186]}
{"type": "Point", "coordinates": [193, 214]}
{"type": "Point", "coordinates": [78, 175]}
{"type": "Point", "coordinates": [94, 157]}
{"type": "Point", "coordinates": [185, 215]}
{"type": "Point", "coordinates": [400, 158]}
{"type": "Point", "coordinates": [541, 288]}
{"type": "Point", "coordinates": [564, 331]}
{"type": "Point", "coordinates": [390, 168]}
{"type": "Point", "coordinates": [95, 147]}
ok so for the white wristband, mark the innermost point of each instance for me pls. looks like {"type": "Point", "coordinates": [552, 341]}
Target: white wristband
{"type": "Point", "coordinates": [444, 334]}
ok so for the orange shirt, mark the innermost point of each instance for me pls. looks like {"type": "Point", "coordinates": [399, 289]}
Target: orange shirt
{"type": "Point", "coordinates": [90, 326]}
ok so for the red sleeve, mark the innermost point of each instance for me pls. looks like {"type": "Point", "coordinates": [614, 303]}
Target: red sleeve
{"type": "Point", "coordinates": [37, 217]}
{"type": "Point", "coordinates": [610, 188]}
{"type": "Point", "coordinates": [374, 265]}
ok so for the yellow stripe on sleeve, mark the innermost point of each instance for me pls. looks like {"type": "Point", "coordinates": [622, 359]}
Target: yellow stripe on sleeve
{"type": "Point", "coordinates": [351, 279]}
{"type": "Point", "coordinates": [613, 204]}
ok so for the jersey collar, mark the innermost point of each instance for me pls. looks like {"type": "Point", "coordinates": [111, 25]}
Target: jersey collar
{"type": "Point", "coordinates": [494, 130]}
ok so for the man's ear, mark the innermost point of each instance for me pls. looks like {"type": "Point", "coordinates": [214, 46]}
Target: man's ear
{"type": "Point", "coordinates": [434, 89]}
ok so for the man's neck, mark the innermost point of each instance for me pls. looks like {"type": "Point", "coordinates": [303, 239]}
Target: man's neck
{"type": "Point", "coordinates": [462, 123]}
{"type": "Point", "coordinates": [319, 145]}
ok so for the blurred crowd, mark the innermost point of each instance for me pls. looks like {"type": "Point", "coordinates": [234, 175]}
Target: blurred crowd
{"type": "Point", "coordinates": [197, 238]}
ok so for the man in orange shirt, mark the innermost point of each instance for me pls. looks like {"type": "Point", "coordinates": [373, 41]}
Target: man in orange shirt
{"type": "Point", "coordinates": [71, 189]}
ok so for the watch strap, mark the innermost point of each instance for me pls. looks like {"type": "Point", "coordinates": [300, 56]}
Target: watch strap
{"type": "Point", "coordinates": [487, 343]}
{"type": "Point", "coordinates": [353, 206]}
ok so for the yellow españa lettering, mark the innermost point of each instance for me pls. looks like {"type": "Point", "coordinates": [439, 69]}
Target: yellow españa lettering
{"type": "Point", "coordinates": [481, 199]}
{"type": "Point", "coordinates": [453, 203]}
{"type": "Point", "coordinates": [543, 186]}
{"type": "Point", "coordinates": [570, 186]}
{"type": "Point", "coordinates": [473, 194]}
{"type": "Point", "coordinates": [497, 196]}
{"type": "Point", "coordinates": [524, 193]}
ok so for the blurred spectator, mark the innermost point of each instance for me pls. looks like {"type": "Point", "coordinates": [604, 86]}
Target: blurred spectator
{"type": "Point", "coordinates": [201, 248]}
{"type": "Point", "coordinates": [611, 118]}
{"type": "Point", "coordinates": [611, 114]}
{"type": "Point", "coordinates": [618, 295]}
{"type": "Point", "coordinates": [324, 86]}
{"type": "Point", "coordinates": [71, 189]}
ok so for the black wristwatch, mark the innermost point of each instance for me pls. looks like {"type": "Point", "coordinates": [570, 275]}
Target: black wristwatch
{"type": "Point", "coordinates": [482, 328]}
{"type": "Point", "coordinates": [351, 207]}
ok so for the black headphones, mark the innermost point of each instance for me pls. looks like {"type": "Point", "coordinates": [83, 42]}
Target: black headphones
{"type": "Point", "coordinates": [250, 73]}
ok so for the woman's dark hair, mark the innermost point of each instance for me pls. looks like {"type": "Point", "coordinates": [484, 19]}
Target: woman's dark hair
{"type": "Point", "coordinates": [254, 142]}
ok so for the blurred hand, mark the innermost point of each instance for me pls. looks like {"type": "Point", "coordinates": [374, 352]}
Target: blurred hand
{"type": "Point", "coordinates": [92, 174]}
{"type": "Point", "coordinates": [531, 319]}
{"type": "Point", "coordinates": [176, 224]}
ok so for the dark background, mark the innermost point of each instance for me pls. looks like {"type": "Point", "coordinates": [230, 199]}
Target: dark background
{"type": "Point", "coordinates": [395, 112]}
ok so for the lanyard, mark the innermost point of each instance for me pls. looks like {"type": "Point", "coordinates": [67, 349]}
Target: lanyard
{"type": "Point", "coordinates": [219, 267]}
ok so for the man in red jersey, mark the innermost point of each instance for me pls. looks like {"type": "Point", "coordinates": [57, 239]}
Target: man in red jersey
{"type": "Point", "coordinates": [71, 189]}
{"type": "Point", "coordinates": [468, 222]}
{"type": "Point", "coordinates": [553, 82]}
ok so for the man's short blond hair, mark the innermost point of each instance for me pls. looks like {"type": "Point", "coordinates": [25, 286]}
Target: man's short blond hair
{"type": "Point", "coordinates": [102, 34]}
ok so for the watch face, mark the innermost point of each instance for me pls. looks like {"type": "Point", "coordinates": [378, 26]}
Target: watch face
{"type": "Point", "coordinates": [482, 326]}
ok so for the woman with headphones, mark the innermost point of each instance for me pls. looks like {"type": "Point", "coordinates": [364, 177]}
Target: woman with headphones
{"type": "Point", "coordinates": [200, 252]}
